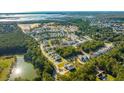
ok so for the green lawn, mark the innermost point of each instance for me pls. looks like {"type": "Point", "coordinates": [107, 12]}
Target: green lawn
{"type": "Point", "coordinates": [110, 78]}
{"type": "Point", "coordinates": [5, 67]}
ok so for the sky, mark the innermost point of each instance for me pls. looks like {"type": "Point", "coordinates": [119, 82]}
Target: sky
{"type": "Point", "coordinates": [12, 6]}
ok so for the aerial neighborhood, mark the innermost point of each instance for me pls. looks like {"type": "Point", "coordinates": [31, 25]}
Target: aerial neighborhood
{"type": "Point", "coordinates": [67, 46]}
{"type": "Point", "coordinates": [52, 37]}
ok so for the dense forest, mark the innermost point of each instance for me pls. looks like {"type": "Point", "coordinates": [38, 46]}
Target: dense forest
{"type": "Point", "coordinates": [91, 46]}
{"type": "Point", "coordinates": [69, 51]}
{"type": "Point", "coordinates": [12, 40]}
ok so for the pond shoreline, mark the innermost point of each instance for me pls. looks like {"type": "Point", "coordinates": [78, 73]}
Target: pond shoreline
{"type": "Point", "coordinates": [12, 66]}
{"type": "Point", "coordinates": [22, 70]}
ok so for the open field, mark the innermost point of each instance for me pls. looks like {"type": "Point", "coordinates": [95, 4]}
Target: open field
{"type": "Point", "coordinates": [6, 64]}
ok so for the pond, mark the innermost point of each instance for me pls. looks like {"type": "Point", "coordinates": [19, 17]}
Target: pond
{"type": "Point", "coordinates": [22, 70]}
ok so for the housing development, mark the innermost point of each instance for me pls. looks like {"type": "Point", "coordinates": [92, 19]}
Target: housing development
{"type": "Point", "coordinates": [68, 46]}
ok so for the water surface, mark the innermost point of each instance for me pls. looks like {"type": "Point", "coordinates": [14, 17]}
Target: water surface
{"type": "Point", "coordinates": [22, 70]}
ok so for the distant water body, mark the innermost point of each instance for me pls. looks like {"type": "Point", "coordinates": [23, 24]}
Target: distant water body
{"type": "Point", "coordinates": [38, 16]}
{"type": "Point", "coordinates": [28, 17]}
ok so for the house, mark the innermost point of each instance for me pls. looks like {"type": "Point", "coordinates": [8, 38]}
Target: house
{"type": "Point", "coordinates": [69, 67]}
{"type": "Point", "coordinates": [102, 76]}
{"type": "Point", "coordinates": [101, 73]}
{"type": "Point", "coordinates": [83, 58]}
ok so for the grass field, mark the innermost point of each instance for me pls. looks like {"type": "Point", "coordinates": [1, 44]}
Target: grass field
{"type": "Point", "coordinates": [110, 77]}
{"type": "Point", "coordinates": [62, 63]}
{"type": "Point", "coordinates": [5, 67]}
